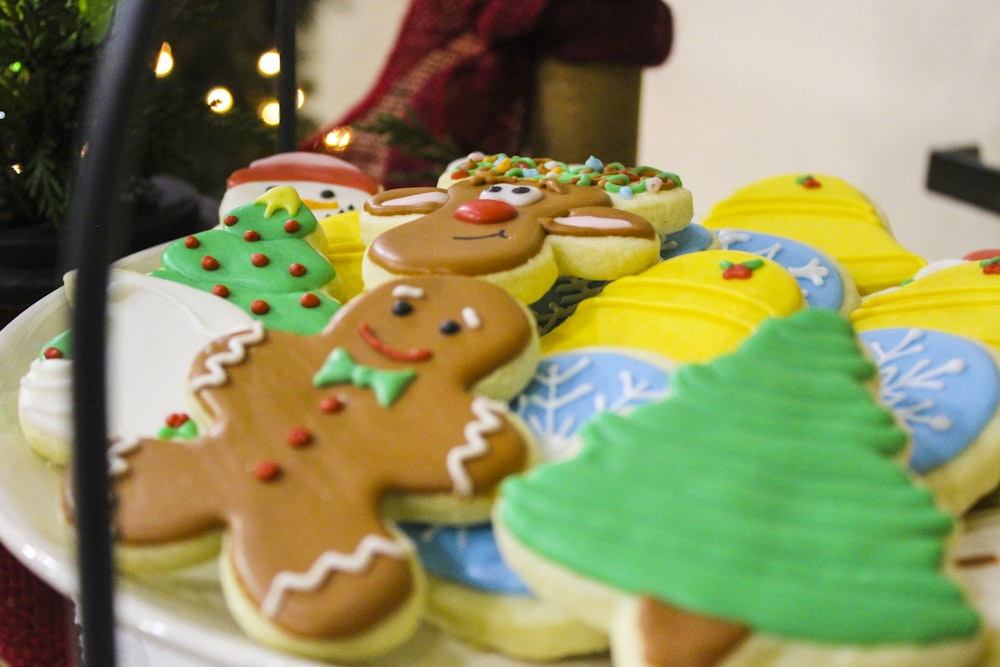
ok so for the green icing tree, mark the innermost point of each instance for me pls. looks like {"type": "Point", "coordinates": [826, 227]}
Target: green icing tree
{"type": "Point", "coordinates": [766, 490]}
{"type": "Point", "coordinates": [259, 258]}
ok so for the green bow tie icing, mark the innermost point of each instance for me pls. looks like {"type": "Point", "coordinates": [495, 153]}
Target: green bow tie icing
{"type": "Point", "coordinates": [339, 368]}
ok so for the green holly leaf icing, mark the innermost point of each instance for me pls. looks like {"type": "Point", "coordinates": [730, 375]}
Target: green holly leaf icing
{"type": "Point", "coordinates": [765, 489]}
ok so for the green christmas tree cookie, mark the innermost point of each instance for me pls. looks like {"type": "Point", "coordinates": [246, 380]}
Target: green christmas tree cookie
{"type": "Point", "coordinates": [763, 498]}
{"type": "Point", "coordinates": [266, 258]}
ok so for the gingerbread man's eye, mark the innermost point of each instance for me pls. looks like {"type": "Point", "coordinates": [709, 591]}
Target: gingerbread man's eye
{"type": "Point", "coordinates": [450, 327]}
{"type": "Point", "coordinates": [402, 308]}
{"type": "Point", "coordinates": [515, 195]}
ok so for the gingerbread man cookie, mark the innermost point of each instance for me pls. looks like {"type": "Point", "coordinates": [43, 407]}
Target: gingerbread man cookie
{"type": "Point", "coordinates": [311, 436]}
{"type": "Point", "coordinates": [521, 234]}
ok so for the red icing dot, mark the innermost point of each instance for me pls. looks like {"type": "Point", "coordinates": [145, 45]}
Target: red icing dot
{"type": "Point", "coordinates": [737, 272]}
{"type": "Point", "coordinates": [209, 263]}
{"type": "Point", "coordinates": [220, 290]}
{"type": "Point", "coordinates": [309, 300]}
{"type": "Point", "coordinates": [52, 353]}
{"type": "Point", "coordinates": [298, 436]}
{"type": "Point", "coordinates": [297, 270]}
{"type": "Point", "coordinates": [176, 419]}
{"type": "Point", "coordinates": [330, 404]}
{"type": "Point", "coordinates": [991, 268]}
{"type": "Point", "coordinates": [260, 307]}
{"type": "Point", "coordinates": [259, 259]}
{"type": "Point", "coordinates": [191, 242]}
{"type": "Point", "coordinates": [230, 220]}
{"type": "Point", "coordinates": [251, 236]}
{"type": "Point", "coordinates": [292, 226]}
{"type": "Point", "coordinates": [266, 471]}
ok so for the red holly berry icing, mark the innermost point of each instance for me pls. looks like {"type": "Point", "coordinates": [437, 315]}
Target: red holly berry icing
{"type": "Point", "coordinates": [741, 271]}
{"type": "Point", "coordinates": [209, 263]}
{"type": "Point", "coordinates": [52, 353]}
{"type": "Point", "coordinates": [991, 266]}
{"type": "Point", "coordinates": [260, 307]}
{"type": "Point", "coordinates": [298, 437]}
{"type": "Point", "coordinates": [176, 419]}
{"type": "Point", "coordinates": [230, 220]}
{"type": "Point", "coordinates": [809, 182]}
{"type": "Point", "coordinates": [220, 290]}
{"type": "Point", "coordinates": [251, 236]}
{"type": "Point", "coordinates": [309, 300]}
{"type": "Point", "coordinates": [292, 226]}
{"type": "Point", "coordinates": [259, 259]}
{"type": "Point", "coordinates": [192, 242]}
{"type": "Point", "coordinates": [297, 270]}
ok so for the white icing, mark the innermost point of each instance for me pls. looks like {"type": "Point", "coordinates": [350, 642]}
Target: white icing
{"type": "Point", "coordinates": [433, 197]}
{"type": "Point", "coordinates": [155, 329]}
{"type": "Point", "coordinates": [310, 192]}
{"type": "Point", "coordinates": [593, 222]}
{"type": "Point", "coordinates": [653, 184]}
{"type": "Point", "coordinates": [327, 563]}
{"type": "Point", "coordinates": [487, 421]}
{"type": "Point", "coordinates": [407, 292]}
{"type": "Point", "coordinates": [117, 466]}
{"type": "Point", "coordinates": [234, 353]}
{"type": "Point", "coordinates": [471, 318]}
{"type": "Point", "coordinates": [513, 194]}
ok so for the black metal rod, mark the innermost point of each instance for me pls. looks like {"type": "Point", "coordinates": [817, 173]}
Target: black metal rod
{"type": "Point", "coordinates": [288, 91]}
{"type": "Point", "coordinates": [94, 217]}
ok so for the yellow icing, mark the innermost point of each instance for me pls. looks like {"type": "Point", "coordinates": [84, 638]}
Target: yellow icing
{"type": "Point", "coordinates": [344, 249]}
{"type": "Point", "coordinates": [280, 197]}
{"type": "Point", "coordinates": [682, 308]}
{"type": "Point", "coordinates": [834, 217]}
{"type": "Point", "coordinates": [959, 299]}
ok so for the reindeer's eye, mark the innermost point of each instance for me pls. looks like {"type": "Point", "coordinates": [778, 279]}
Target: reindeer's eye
{"type": "Point", "coordinates": [515, 195]}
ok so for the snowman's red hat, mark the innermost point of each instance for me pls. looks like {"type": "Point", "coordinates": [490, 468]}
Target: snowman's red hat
{"type": "Point", "coordinates": [304, 166]}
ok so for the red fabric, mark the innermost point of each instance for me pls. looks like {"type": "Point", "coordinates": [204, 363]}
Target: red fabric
{"type": "Point", "coordinates": [465, 68]}
{"type": "Point", "coordinates": [36, 623]}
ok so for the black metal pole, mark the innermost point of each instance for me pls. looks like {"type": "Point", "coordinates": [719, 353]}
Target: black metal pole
{"type": "Point", "coordinates": [94, 218]}
{"type": "Point", "coordinates": [285, 20]}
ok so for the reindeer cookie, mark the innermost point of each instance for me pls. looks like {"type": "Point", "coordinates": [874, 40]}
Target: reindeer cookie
{"type": "Point", "coordinates": [313, 437]}
{"type": "Point", "coordinates": [519, 233]}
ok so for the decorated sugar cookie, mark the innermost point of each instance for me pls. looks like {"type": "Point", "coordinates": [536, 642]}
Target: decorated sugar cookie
{"type": "Point", "coordinates": [690, 308]}
{"type": "Point", "coordinates": [757, 516]}
{"type": "Point", "coordinates": [155, 329]}
{"type": "Point", "coordinates": [825, 283]}
{"type": "Point", "coordinates": [946, 390]}
{"type": "Point", "coordinates": [657, 195]}
{"type": "Point", "coordinates": [826, 213]}
{"type": "Point", "coordinates": [267, 258]}
{"type": "Point", "coordinates": [958, 297]}
{"type": "Point", "coordinates": [472, 594]}
{"type": "Point", "coordinates": [396, 403]}
{"type": "Point", "coordinates": [333, 189]}
{"type": "Point", "coordinates": [521, 234]}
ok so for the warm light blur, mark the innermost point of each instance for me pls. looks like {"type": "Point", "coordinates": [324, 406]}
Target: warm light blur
{"type": "Point", "coordinates": [270, 113]}
{"type": "Point", "coordinates": [219, 100]}
{"type": "Point", "coordinates": [16, 168]}
{"type": "Point", "coordinates": [338, 138]}
{"type": "Point", "coordinates": [269, 63]}
{"type": "Point", "coordinates": [164, 61]}
{"type": "Point", "coordinates": [300, 99]}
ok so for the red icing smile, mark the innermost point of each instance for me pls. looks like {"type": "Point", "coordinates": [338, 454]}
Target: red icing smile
{"type": "Point", "coordinates": [413, 354]}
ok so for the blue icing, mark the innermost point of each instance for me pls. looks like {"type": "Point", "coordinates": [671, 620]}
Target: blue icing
{"type": "Point", "coordinates": [567, 390]}
{"type": "Point", "coordinates": [693, 238]}
{"type": "Point", "coordinates": [820, 281]}
{"type": "Point", "coordinates": [945, 388]}
{"type": "Point", "coordinates": [466, 555]}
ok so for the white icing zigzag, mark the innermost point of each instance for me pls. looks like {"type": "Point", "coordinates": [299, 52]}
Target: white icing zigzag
{"type": "Point", "coordinates": [475, 444]}
{"type": "Point", "coordinates": [235, 354]}
{"type": "Point", "coordinates": [117, 466]}
{"type": "Point", "coordinates": [327, 563]}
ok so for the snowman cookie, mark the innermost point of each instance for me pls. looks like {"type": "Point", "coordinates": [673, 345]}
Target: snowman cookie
{"type": "Point", "coordinates": [317, 443]}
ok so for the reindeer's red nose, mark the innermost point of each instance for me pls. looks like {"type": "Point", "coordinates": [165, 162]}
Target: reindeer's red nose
{"type": "Point", "coordinates": [485, 211]}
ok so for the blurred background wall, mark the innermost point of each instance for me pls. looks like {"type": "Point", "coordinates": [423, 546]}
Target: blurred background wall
{"type": "Point", "coordinates": [857, 89]}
